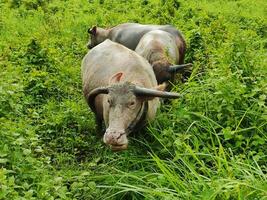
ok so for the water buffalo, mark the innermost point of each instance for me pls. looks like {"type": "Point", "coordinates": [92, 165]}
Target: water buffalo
{"type": "Point", "coordinates": [129, 35]}
{"type": "Point", "coordinates": [162, 52]}
{"type": "Point", "coordinates": [121, 89]}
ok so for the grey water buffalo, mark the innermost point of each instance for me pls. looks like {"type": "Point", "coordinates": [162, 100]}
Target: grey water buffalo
{"type": "Point", "coordinates": [162, 52]}
{"type": "Point", "coordinates": [121, 89]}
{"type": "Point", "coordinates": [129, 35]}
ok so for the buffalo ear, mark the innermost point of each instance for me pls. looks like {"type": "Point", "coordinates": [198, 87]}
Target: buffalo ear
{"type": "Point", "coordinates": [116, 78]}
{"type": "Point", "coordinates": [92, 31]}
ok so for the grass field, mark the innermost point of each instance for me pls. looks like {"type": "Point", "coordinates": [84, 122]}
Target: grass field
{"type": "Point", "coordinates": [210, 144]}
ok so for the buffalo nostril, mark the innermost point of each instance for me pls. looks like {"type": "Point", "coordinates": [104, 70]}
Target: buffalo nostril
{"type": "Point", "coordinates": [121, 134]}
{"type": "Point", "coordinates": [114, 137]}
{"type": "Point", "coordinates": [89, 46]}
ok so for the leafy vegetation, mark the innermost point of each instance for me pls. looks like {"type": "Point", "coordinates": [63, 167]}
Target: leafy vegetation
{"type": "Point", "coordinates": [210, 144]}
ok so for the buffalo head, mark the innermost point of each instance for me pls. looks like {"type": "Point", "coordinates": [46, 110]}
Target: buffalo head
{"type": "Point", "coordinates": [124, 108]}
{"type": "Point", "coordinates": [97, 35]}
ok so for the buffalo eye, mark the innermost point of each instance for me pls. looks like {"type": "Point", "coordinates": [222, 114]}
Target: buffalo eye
{"type": "Point", "coordinates": [109, 102]}
{"type": "Point", "coordinates": [131, 104]}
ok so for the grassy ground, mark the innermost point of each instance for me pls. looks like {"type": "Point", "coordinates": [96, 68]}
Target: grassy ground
{"type": "Point", "coordinates": [210, 144]}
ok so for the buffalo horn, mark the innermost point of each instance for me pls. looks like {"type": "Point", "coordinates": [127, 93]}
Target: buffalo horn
{"type": "Point", "coordinates": [177, 68]}
{"type": "Point", "coordinates": [145, 92]}
{"type": "Point", "coordinates": [92, 95]}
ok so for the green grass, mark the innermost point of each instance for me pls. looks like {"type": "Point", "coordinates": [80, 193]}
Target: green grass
{"type": "Point", "coordinates": [210, 144]}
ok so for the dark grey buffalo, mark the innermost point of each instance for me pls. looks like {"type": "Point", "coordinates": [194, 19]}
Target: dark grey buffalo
{"type": "Point", "coordinates": [162, 52]}
{"type": "Point", "coordinates": [129, 35]}
{"type": "Point", "coordinates": [121, 89]}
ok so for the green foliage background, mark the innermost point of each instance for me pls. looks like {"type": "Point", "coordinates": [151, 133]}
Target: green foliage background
{"type": "Point", "coordinates": [210, 144]}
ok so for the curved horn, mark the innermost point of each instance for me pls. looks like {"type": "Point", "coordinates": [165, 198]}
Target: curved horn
{"type": "Point", "coordinates": [92, 95]}
{"type": "Point", "coordinates": [177, 68]}
{"type": "Point", "coordinates": [145, 92]}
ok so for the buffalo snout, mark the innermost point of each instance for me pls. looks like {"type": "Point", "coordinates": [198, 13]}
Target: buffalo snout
{"type": "Point", "coordinates": [117, 139]}
{"type": "Point", "coordinates": [89, 46]}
